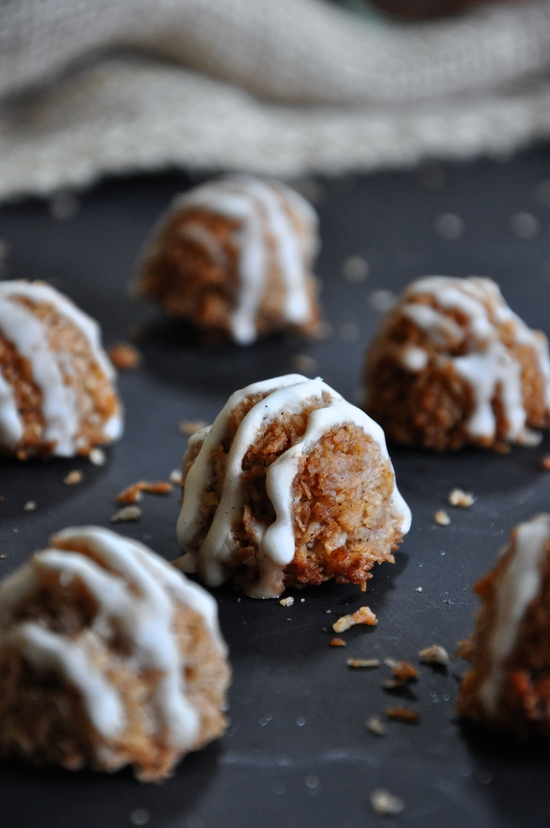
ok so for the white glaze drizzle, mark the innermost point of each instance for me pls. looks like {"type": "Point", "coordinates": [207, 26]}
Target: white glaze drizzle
{"type": "Point", "coordinates": [259, 206]}
{"type": "Point", "coordinates": [488, 365]}
{"type": "Point", "coordinates": [520, 584]}
{"type": "Point", "coordinates": [205, 238]}
{"type": "Point", "coordinates": [137, 592]}
{"type": "Point", "coordinates": [29, 336]}
{"type": "Point", "coordinates": [276, 543]}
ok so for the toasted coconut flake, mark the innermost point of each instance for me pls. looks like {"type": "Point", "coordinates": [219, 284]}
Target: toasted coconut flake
{"type": "Point", "coordinates": [436, 654]}
{"type": "Point", "coordinates": [384, 803]}
{"type": "Point", "coordinates": [364, 615]}
{"type": "Point", "coordinates": [73, 478]}
{"type": "Point", "coordinates": [403, 714]}
{"type": "Point", "coordinates": [129, 513]}
{"type": "Point", "coordinates": [442, 518]}
{"type": "Point", "coordinates": [124, 356]}
{"type": "Point", "coordinates": [460, 498]}
{"type": "Point", "coordinates": [133, 493]}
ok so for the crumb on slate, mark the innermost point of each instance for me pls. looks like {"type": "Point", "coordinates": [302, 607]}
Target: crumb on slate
{"type": "Point", "coordinates": [133, 493]}
{"type": "Point", "coordinates": [545, 463]}
{"type": "Point", "coordinates": [403, 714]}
{"type": "Point", "coordinates": [442, 518]}
{"type": "Point", "coordinates": [363, 662]}
{"type": "Point", "coordinates": [73, 478]}
{"type": "Point", "coordinates": [124, 356]}
{"type": "Point", "coordinates": [97, 457]}
{"type": "Point", "coordinates": [128, 513]}
{"type": "Point", "coordinates": [337, 642]}
{"type": "Point", "coordinates": [29, 506]}
{"type": "Point", "coordinates": [435, 654]}
{"type": "Point", "coordinates": [458, 497]}
{"type": "Point", "coordinates": [175, 477]}
{"type": "Point", "coordinates": [376, 726]}
{"type": "Point", "coordinates": [287, 602]}
{"type": "Point", "coordinates": [384, 803]}
{"type": "Point", "coordinates": [364, 615]}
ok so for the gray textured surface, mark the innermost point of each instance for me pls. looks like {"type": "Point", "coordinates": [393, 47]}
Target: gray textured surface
{"type": "Point", "coordinates": [298, 752]}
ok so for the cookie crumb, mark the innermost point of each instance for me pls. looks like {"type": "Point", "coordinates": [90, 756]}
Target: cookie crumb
{"type": "Point", "coordinates": [305, 364]}
{"type": "Point", "coordinates": [140, 816]}
{"type": "Point", "coordinates": [287, 602]}
{"type": "Point", "coordinates": [129, 513]}
{"type": "Point", "coordinates": [403, 714]}
{"type": "Point", "coordinates": [458, 497]}
{"type": "Point", "coordinates": [418, 589]}
{"type": "Point", "coordinates": [436, 654]}
{"type": "Point", "coordinates": [545, 463]}
{"type": "Point", "coordinates": [189, 427]}
{"type": "Point", "coordinates": [124, 356]}
{"type": "Point", "coordinates": [355, 269]}
{"type": "Point", "coordinates": [442, 518]}
{"type": "Point", "coordinates": [73, 478]}
{"type": "Point", "coordinates": [175, 477]}
{"type": "Point", "coordinates": [376, 726]}
{"type": "Point", "coordinates": [29, 506]}
{"type": "Point", "coordinates": [364, 615]}
{"type": "Point", "coordinates": [337, 642]}
{"type": "Point", "coordinates": [384, 803]}
{"type": "Point", "coordinates": [363, 662]}
{"type": "Point", "coordinates": [134, 492]}
{"type": "Point", "coordinates": [97, 457]}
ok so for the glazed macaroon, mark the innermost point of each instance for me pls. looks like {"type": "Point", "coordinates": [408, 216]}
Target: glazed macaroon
{"type": "Point", "coordinates": [453, 365]}
{"type": "Point", "coordinates": [291, 485]}
{"type": "Point", "coordinates": [57, 392]}
{"type": "Point", "coordinates": [234, 257]}
{"type": "Point", "coordinates": [508, 685]}
{"type": "Point", "coordinates": [108, 657]}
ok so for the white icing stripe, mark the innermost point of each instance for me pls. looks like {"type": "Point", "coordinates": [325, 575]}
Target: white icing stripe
{"type": "Point", "coordinates": [59, 407]}
{"type": "Point", "coordinates": [488, 366]}
{"type": "Point", "coordinates": [45, 649]}
{"type": "Point", "coordinates": [29, 336]}
{"type": "Point", "coordinates": [276, 544]}
{"type": "Point", "coordinates": [198, 478]}
{"type": "Point", "coordinates": [11, 424]}
{"type": "Point", "coordinates": [519, 586]}
{"type": "Point", "coordinates": [259, 206]}
{"type": "Point", "coordinates": [203, 237]}
{"type": "Point", "coordinates": [135, 591]}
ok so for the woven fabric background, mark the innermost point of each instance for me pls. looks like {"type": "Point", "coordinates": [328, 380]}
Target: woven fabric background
{"type": "Point", "coordinates": [285, 87]}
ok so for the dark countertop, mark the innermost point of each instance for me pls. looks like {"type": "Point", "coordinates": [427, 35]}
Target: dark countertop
{"type": "Point", "coordinates": [298, 752]}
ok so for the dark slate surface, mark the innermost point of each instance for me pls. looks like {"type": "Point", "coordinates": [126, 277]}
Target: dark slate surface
{"type": "Point", "coordinates": [298, 751]}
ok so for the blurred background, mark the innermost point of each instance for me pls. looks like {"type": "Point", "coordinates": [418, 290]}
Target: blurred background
{"type": "Point", "coordinates": [282, 87]}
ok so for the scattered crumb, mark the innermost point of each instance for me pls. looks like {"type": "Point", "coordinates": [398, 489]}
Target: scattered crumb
{"type": "Point", "coordinates": [382, 301]}
{"type": "Point", "coordinates": [305, 364]}
{"type": "Point", "coordinates": [2, 556]}
{"type": "Point", "coordinates": [287, 602]}
{"type": "Point", "coordinates": [1, 498]}
{"type": "Point", "coordinates": [124, 356]}
{"type": "Point", "coordinates": [175, 477]}
{"type": "Point", "coordinates": [364, 615]}
{"type": "Point", "coordinates": [328, 612]}
{"type": "Point", "coordinates": [376, 726]}
{"type": "Point", "coordinates": [127, 514]}
{"type": "Point", "coordinates": [337, 642]}
{"type": "Point", "coordinates": [189, 427]}
{"type": "Point", "coordinates": [501, 447]}
{"type": "Point", "coordinates": [442, 518]}
{"type": "Point", "coordinates": [73, 478]}
{"type": "Point", "coordinates": [239, 600]}
{"type": "Point", "coordinates": [140, 816]}
{"type": "Point", "coordinates": [403, 671]}
{"type": "Point", "coordinates": [403, 714]}
{"type": "Point", "coordinates": [531, 438]}
{"type": "Point", "coordinates": [325, 330]}
{"type": "Point", "coordinates": [355, 269]}
{"type": "Point", "coordinates": [29, 506]}
{"type": "Point", "coordinates": [133, 493]}
{"type": "Point", "coordinates": [418, 589]}
{"type": "Point", "coordinates": [187, 563]}
{"type": "Point", "coordinates": [384, 803]}
{"type": "Point", "coordinates": [449, 226]}
{"type": "Point", "coordinates": [460, 498]}
{"type": "Point", "coordinates": [545, 463]}
{"type": "Point", "coordinates": [302, 600]}
{"type": "Point", "coordinates": [97, 457]}
{"type": "Point", "coordinates": [436, 654]}
{"type": "Point", "coordinates": [363, 662]}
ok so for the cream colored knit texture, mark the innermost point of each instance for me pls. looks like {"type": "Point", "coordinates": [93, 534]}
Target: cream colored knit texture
{"type": "Point", "coordinates": [277, 86]}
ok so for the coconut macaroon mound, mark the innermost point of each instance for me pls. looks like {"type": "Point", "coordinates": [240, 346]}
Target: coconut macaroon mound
{"type": "Point", "coordinates": [290, 485]}
{"type": "Point", "coordinates": [57, 394]}
{"type": "Point", "coordinates": [508, 685]}
{"type": "Point", "coordinates": [108, 657]}
{"type": "Point", "coordinates": [453, 365]}
{"type": "Point", "coordinates": [234, 257]}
